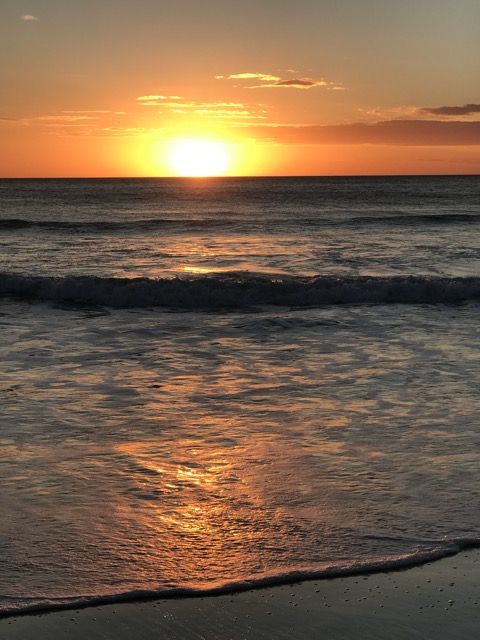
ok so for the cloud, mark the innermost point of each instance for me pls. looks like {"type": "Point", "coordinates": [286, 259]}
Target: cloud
{"type": "Point", "coordinates": [178, 103]}
{"type": "Point", "coordinates": [85, 130]}
{"type": "Point", "coordinates": [268, 81]}
{"type": "Point", "coordinates": [28, 18]}
{"type": "Point", "coordinates": [265, 77]}
{"type": "Point", "coordinates": [155, 100]}
{"type": "Point", "coordinates": [82, 111]}
{"type": "Point", "coordinates": [225, 113]}
{"type": "Point", "coordinates": [466, 110]}
{"type": "Point", "coordinates": [66, 118]}
{"type": "Point", "coordinates": [391, 132]}
{"type": "Point", "coordinates": [127, 132]}
{"type": "Point", "coordinates": [394, 113]}
{"type": "Point", "coordinates": [300, 83]}
{"type": "Point", "coordinates": [226, 110]}
{"type": "Point", "coordinates": [123, 131]}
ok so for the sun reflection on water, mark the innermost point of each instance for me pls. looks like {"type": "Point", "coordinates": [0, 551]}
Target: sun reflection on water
{"type": "Point", "coordinates": [194, 269]}
{"type": "Point", "coordinates": [216, 506]}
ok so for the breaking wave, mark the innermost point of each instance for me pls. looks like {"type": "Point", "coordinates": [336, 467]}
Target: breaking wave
{"type": "Point", "coordinates": [239, 289]}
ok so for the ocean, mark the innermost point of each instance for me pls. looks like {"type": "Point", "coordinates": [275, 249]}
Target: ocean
{"type": "Point", "coordinates": [222, 383]}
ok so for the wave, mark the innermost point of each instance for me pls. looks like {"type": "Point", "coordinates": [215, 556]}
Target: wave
{"type": "Point", "coordinates": [425, 219]}
{"type": "Point", "coordinates": [239, 289]}
{"type": "Point", "coordinates": [14, 606]}
{"type": "Point", "coordinates": [228, 218]}
{"type": "Point", "coordinates": [101, 226]}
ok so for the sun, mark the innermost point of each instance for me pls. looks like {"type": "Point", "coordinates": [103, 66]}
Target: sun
{"type": "Point", "coordinates": [198, 158]}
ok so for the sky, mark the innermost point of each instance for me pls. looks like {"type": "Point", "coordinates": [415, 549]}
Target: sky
{"type": "Point", "coordinates": [283, 87]}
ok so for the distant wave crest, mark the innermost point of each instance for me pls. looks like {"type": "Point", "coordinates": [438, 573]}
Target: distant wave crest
{"type": "Point", "coordinates": [179, 222]}
{"type": "Point", "coordinates": [240, 289]}
{"type": "Point", "coordinates": [101, 226]}
{"type": "Point", "coordinates": [424, 219]}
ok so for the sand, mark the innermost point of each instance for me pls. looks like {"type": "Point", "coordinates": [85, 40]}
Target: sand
{"type": "Point", "coordinates": [435, 601]}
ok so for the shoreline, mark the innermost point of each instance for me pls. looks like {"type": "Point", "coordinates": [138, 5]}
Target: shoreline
{"type": "Point", "coordinates": [439, 600]}
{"type": "Point", "coordinates": [232, 589]}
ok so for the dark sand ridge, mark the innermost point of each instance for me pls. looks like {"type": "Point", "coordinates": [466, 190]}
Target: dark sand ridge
{"type": "Point", "coordinates": [438, 601]}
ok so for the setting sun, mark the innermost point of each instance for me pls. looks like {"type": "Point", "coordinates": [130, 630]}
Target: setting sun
{"type": "Point", "coordinates": [198, 158]}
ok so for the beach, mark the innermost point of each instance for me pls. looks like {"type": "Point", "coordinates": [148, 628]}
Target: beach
{"type": "Point", "coordinates": [439, 601]}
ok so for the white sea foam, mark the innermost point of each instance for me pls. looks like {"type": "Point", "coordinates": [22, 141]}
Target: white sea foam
{"type": "Point", "coordinates": [438, 550]}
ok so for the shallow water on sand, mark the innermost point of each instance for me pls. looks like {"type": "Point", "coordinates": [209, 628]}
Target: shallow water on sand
{"type": "Point", "coordinates": [152, 450]}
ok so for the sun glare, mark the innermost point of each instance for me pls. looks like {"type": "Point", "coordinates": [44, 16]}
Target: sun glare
{"type": "Point", "coordinates": [199, 158]}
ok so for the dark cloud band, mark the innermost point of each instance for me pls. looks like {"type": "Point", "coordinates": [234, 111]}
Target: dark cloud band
{"type": "Point", "coordinates": [392, 132]}
{"type": "Point", "coordinates": [466, 110]}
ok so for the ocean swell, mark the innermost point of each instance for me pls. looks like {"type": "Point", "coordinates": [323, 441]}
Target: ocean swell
{"type": "Point", "coordinates": [238, 290]}
{"type": "Point", "coordinates": [102, 226]}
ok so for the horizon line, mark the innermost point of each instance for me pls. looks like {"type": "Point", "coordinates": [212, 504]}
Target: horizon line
{"type": "Point", "coordinates": [249, 177]}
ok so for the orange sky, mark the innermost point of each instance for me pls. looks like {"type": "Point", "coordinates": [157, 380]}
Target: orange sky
{"type": "Point", "coordinates": [304, 87]}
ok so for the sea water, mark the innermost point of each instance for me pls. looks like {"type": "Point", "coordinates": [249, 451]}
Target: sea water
{"type": "Point", "coordinates": [218, 383]}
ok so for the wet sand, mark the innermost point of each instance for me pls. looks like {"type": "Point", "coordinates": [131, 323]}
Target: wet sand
{"type": "Point", "coordinates": [439, 600]}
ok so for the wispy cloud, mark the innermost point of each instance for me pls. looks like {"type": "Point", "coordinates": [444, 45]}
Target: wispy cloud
{"type": "Point", "coordinates": [128, 131]}
{"type": "Point", "coordinates": [87, 119]}
{"type": "Point", "coordinates": [225, 113]}
{"type": "Point", "coordinates": [179, 102]}
{"type": "Point", "coordinates": [394, 113]}
{"type": "Point", "coordinates": [264, 77]}
{"type": "Point", "coordinates": [96, 111]}
{"type": "Point", "coordinates": [268, 81]}
{"type": "Point", "coordinates": [465, 110]}
{"type": "Point", "coordinates": [88, 130]}
{"type": "Point", "coordinates": [84, 123]}
{"type": "Point", "coordinates": [155, 100]}
{"type": "Point", "coordinates": [28, 18]}
{"type": "Point", "coordinates": [221, 109]}
{"type": "Point", "coordinates": [391, 132]}
{"type": "Point", "coordinates": [64, 117]}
